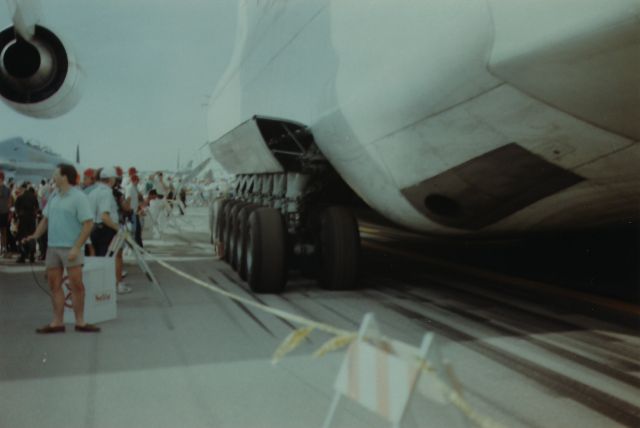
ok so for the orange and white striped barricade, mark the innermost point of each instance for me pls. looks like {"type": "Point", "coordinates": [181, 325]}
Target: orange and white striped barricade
{"type": "Point", "coordinates": [379, 374]}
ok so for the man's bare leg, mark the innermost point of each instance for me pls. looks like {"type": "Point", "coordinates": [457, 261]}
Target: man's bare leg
{"type": "Point", "coordinates": [54, 277]}
{"type": "Point", "coordinates": [77, 293]}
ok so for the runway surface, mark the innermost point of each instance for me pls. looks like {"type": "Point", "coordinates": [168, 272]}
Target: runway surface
{"type": "Point", "coordinates": [526, 350]}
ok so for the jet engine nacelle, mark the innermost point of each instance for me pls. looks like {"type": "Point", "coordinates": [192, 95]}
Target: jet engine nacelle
{"type": "Point", "coordinates": [38, 77]}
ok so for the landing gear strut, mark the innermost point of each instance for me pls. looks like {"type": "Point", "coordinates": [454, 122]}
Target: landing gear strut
{"type": "Point", "coordinates": [283, 212]}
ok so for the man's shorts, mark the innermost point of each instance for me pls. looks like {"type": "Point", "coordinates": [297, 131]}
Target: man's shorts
{"type": "Point", "coordinates": [4, 220]}
{"type": "Point", "coordinates": [59, 257]}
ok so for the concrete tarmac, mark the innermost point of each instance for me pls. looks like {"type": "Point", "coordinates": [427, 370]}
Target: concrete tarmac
{"type": "Point", "coordinates": [202, 360]}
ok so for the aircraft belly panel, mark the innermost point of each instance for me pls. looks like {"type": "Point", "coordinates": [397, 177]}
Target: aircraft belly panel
{"type": "Point", "coordinates": [485, 123]}
{"type": "Point", "coordinates": [610, 194]}
{"type": "Point", "coordinates": [488, 188]}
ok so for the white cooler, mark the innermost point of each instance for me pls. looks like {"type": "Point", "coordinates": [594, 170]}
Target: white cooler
{"type": "Point", "coordinates": [99, 278]}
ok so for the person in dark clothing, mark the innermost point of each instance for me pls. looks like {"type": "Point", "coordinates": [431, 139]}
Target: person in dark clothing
{"type": "Point", "coordinates": [44, 193]}
{"type": "Point", "coordinates": [26, 208]}
{"type": "Point", "coordinates": [12, 244]}
{"type": "Point", "coordinates": [5, 209]}
{"type": "Point", "coordinates": [183, 196]}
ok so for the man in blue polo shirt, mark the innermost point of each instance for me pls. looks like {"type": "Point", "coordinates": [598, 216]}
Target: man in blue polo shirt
{"type": "Point", "coordinates": [69, 220]}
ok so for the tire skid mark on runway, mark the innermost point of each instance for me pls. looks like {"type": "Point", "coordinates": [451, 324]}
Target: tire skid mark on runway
{"type": "Point", "coordinates": [600, 340]}
{"type": "Point", "coordinates": [602, 368]}
{"type": "Point", "coordinates": [601, 402]}
{"type": "Point", "coordinates": [539, 297]}
{"type": "Point", "coordinates": [554, 349]}
{"type": "Point", "coordinates": [245, 309]}
{"type": "Point", "coordinates": [497, 301]}
{"type": "Point", "coordinates": [593, 344]}
{"type": "Point", "coordinates": [220, 303]}
{"type": "Point", "coordinates": [601, 355]}
{"type": "Point", "coordinates": [253, 296]}
{"type": "Point", "coordinates": [513, 313]}
{"type": "Point", "coordinates": [297, 306]}
{"type": "Point", "coordinates": [333, 311]}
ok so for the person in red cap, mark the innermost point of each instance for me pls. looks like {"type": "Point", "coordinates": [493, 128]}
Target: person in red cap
{"type": "Point", "coordinates": [88, 180]}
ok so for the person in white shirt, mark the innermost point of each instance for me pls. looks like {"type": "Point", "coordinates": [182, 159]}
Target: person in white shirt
{"type": "Point", "coordinates": [158, 207]}
{"type": "Point", "coordinates": [132, 196]}
{"type": "Point", "coordinates": [159, 186]}
{"type": "Point", "coordinates": [105, 212]}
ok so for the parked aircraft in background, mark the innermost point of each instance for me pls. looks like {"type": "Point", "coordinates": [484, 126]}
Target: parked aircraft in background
{"type": "Point", "coordinates": [24, 161]}
{"type": "Point", "coordinates": [451, 117]}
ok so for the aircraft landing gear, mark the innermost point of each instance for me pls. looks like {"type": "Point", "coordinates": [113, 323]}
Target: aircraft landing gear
{"type": "Point", "coordinates": [283, 211]}
{"type": "Point", "coordinates": [259, 246]}
{"type": "Point", "coordinates": [240, 255]}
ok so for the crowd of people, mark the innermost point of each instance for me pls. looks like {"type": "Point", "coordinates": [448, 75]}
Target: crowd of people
{"type": "Point", "coordinates": [69, 217]}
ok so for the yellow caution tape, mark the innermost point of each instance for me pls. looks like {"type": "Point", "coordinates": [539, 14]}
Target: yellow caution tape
{"type": "Point", "coordinates": [335, 344]}
{"type": "Point", "coordinates": [290, 343]}
{"type": "Point", "coordinates": [454, 396]}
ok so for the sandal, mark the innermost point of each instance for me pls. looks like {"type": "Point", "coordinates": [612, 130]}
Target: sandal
{"type": "Point", "coordinates": [50, 329]}
{"type": "Point", "coordinates": [88, 328]}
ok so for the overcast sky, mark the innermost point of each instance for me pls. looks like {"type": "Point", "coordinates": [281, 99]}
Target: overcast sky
{"type": "Point", "coordinates": [149, 67]}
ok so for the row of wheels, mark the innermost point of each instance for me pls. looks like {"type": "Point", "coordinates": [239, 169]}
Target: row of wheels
{"type": "Point", "coordinates": [255, 243]}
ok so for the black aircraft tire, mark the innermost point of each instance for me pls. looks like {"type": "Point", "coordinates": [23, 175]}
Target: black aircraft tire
{"type": "Point", "coordinates": [339, 249]}
{"type": "Point", "coordinates": [220, 221]}
{"type": "Point", "coordinates": [266, 267]}
{"type": "Point", "coordinates": [226, 232]}
{"type": "Point", "coordinates": [240, 255]}
{"type": "Point", "coordinates": [214, 215]}
{"type": "Point", "coordinates": [233, 233]}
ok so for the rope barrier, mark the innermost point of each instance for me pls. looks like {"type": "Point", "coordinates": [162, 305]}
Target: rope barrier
{"type": "Point", "coordinates": [277, 312]}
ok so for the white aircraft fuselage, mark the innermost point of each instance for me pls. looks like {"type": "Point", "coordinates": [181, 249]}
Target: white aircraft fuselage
{"type": "Point", "coordinates": [454, 116]}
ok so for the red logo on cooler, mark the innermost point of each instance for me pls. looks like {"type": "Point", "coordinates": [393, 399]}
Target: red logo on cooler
{"type": "Point", "coordinates": [102, 297]}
